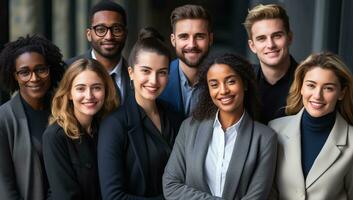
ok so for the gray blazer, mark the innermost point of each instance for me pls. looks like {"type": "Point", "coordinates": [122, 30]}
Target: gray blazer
{"type": "Point", "coordinates": [20, 171]}
{"type": "Point", "coordinates": [250, 172]}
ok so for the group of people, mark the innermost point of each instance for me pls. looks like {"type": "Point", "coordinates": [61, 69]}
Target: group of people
{"type": "Point", "coordinates": [98, 126]}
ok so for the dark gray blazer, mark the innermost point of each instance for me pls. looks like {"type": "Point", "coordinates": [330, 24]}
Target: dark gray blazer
{"type": "Point", "coordinates": [250, 172]}
{"type": "Point", "coordinates": [21, 170]}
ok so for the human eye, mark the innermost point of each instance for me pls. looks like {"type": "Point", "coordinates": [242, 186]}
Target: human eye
{"type": "Point", "coordinates": [260, 39]}
{"type": "Point", "coordinates": [41, 70]}
{"type": "Point", "coordinates": [213, 84]}
{"type": "Point", "coordinates": [310, 85]}
{"type": "Point", "coordinates": [24, 73]}
{"type": "Point", "coordinates": [183, 36]}
{"type": "Point", "coordinates": [97, 88]}
{"type": "Point", "coordinates": [200, 36]}
{"type": "Point", "coordinates": [163, 72]}
{"type": "Point", "coordinates": [100, 29]}
{"type": "Point", "coordinates": [117, 29]}
{"type": "Point", "coordinates": [329, 88]}
{"type": "Point", "coordinates": [144, 71]}
{"type": "Point", "coordinates": [80, 88]}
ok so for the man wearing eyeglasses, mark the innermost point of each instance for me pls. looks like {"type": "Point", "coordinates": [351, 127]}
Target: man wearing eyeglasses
{"type": "Point", "coordinates": [107, 35]}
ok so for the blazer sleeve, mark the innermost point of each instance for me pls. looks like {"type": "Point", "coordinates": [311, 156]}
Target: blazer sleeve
{"type": "Point", "coordinates": [61, 174]}
{"type": "Point", "coordinates": [8, 186]}
{"type": "Point", "coordinates": [261, 182]}
{"type": "Point", "coordinates": [111, 160]}
{"type": "Point", "coordinates": [174, 185]}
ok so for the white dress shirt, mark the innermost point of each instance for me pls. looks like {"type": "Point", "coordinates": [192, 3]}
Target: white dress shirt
{"type": "Point", "coordinates": [219, 154]}
{"type": "Point", "coordinates": [117, 71]}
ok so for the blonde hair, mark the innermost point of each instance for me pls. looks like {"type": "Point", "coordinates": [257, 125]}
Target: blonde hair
{"type": "Point", "coordinates": [325, 60]}
{"type": "Point", "coordinates": [261, 12]}
{"type": "Point", "coordinates": [62, 107]}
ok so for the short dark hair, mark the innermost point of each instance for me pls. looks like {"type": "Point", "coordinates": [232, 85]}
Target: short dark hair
{"type": "Point", "coordinates": [149, 40]}
{"type": "Point", "coordinates": [35, 43]}
{"type": "Point", "coordinates": [190, 12]}
{"type": "Point", "coordinates": [109, 6]}
{"type": "Point", "coordinates": [205, 108]}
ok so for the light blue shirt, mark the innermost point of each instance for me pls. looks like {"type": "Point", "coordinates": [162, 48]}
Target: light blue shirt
{"type": "Point", "coordinates": [219, 154]}
{"type": "Point", "coordinates": [189, 93]}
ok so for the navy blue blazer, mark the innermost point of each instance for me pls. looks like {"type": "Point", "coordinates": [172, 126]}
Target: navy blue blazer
{"type": "Point", "coordinates": [123, 160]}
{"type": "Point", "coordinates": [172, 93]}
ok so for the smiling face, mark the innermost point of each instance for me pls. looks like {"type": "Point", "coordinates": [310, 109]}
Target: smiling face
{"type": "Point", "coordinates": [149, 75]}
{"type": "Point", "coordinates": [226, 90]}
{"type": "Point", "coordinates": [270, 42]}
{"type": "Point", "coordinates": [33, 90]}
{"type": "Point", "coordinates": [87, 94]}
{"type": "Point", "coordinates": [320, 91]}
{"type": "Point", "coordinates": [108, 46]}
{"type": "Point", "coordinates": [191, 40]}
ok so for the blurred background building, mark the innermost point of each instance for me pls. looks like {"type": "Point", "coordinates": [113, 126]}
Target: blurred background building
{"type": "Point", "coordinates": [318, 25]}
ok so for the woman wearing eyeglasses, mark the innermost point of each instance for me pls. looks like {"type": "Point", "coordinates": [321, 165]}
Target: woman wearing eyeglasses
{"type": "Point", "coordinates": [33, 66]}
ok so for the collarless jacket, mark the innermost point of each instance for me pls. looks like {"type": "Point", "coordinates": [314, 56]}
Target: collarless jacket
{"type": "Point", "coordinates": [330, 177]}
{"type": "Point", "coordinates": [123, 163]}
{"type": "Point", "coordinates": [21, 176]}
{"type": "Point", "coordinates": [251, 168]}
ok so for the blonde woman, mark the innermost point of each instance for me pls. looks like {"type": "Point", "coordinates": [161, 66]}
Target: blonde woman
{"type": "Point", "coordinates": [85, 95]}
{"type": "Point", "coordinates": [315, 151]}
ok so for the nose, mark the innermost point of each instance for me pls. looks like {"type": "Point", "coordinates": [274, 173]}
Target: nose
{"type": "Point", "coordinates": [270, 43]}
{"type": "Point", "coordinates": [153, 78]}
{"type": "Point", "coordinates": [34, 77]}
{"type": "Point", "coordinates": [89, 94]}
{"type": "Point", "coordinates": [317, 93]}
{"type": "Point", "coordinates": [109, 34]}
{"type": "Point", "coordinates": [224, 89]}
{"type": "Point", "coordinates": [192, 42]}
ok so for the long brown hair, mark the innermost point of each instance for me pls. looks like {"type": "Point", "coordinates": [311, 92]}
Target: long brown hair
{"type": "Point", "coordinates": [325, 60]}
{"type": "Point", "coordinates": [62, 107]}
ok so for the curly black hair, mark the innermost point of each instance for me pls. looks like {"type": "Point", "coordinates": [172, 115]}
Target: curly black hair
{"type": "Point", "coordinates": [35, 43]}
{"type": "Point", "coordinates": [205, 108]}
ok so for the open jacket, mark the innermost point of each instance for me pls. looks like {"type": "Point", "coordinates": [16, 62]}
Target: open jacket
{"type": "Point", "coordinates": [21, 170]}
{"type": "Point", "coordinates": [331, 175]}
{"type": "Point", "coordinates": [251, 168]}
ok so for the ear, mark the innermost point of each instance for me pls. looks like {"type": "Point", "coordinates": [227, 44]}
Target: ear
{"type": "Point", "coordinates": [342, 94]}
{"type": "Point", "coordinates": [252, 46]}
{"type": "Point", "coordinates": [89, 34]}
{"type": "Point", "coordinates": [172, 39]}
{"type": "Point", "coordinates": [131, 72]}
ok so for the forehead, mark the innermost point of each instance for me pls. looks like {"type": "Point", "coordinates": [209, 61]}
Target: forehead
{"type": "Point", "coordinates": [267, 27]}
{"type": "Point", "coordinates": [29, 59]}
{"type": "Point", "coordinates": [107, 17]}
{"type": "Point", "coordinates": [191, 26]}
{"type": "Point", "coordinates": [321, 75]}
{"type": "Point", "coordinates": [152, 60]}
{"type": "Point", "coordinates": [221, 71]}
{"type": "Point", "coordinates": [87, 77]}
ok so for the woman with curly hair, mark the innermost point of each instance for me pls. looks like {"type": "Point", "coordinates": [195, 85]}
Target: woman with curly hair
{"type": "Point", "coordinates": [220, 151]}
{"type": "Point", "coordinates": [33, 66]}
{"type": "Point", "coordinates": [317, 135]}
{"type": "Point", "coordinates": [85, 95]}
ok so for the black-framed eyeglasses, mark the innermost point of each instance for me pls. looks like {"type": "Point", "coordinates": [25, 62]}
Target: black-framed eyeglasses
{"type": "Point", "coordinates": [26, 74]}
{"type": "Point", "coordinates": [101, 30]}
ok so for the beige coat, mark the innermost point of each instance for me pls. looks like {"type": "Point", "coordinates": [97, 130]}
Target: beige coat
{"type": "Point", "coordinates": [330, 177]}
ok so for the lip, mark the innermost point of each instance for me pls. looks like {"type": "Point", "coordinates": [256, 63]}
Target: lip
{"type": "Point", "coordinates": [316, 105]}
{"type": "Point", "coordinates": [274, 52]}
{"type": "Point", "coordinates": [226, 100]}
{"type": "Point", "coordinates": [34, 87]}
{"type": "Point", "coordinates": [151, 89]}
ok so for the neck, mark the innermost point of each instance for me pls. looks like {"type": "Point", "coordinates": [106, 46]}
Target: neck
{"type": "Point", "coordinates": [190, 72]}
{"type": "Point", "coordinates": [108, 63]}
{"type": "Point", "coordinates": [85, 122]}
{"type": "Point", "coordinates": [228, 119]}
{"type": "Point", "coordinates": [149, 106]}
{"type": "Point", "coordinates": [275, 73]}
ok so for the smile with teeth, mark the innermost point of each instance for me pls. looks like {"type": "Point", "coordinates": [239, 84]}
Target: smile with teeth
{"type": "Point", "coordinates": [90, 104]}
{"type": "Point", "coordinates": [226, 100]}
{"type": "Point", "coordinates": [151, 89]}
{"type": "Point", "coordinates": [272, 52]}
{"type": "Point", "coordinates": [316, 105]}
{"type": "Point", "coordinates": [34, 87]}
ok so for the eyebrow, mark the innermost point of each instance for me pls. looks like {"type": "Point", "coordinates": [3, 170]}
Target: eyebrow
{"type": "Point", "coordinates": [35, 67]}
{"type": "Point", "coordinates": [81, 84]}
{"type": "Point", "coordinates": [310, 81]}
{"type": "Point", "coordinates": [226, 78]}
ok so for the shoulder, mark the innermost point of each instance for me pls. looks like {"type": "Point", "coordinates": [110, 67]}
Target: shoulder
{"type": "Point", "coordinates": [281, 123]}
{"type": "Point", "coordinates": [170, 111]}
{"type": "Point", "coordinates": [53, 133]}
{"type": "Point", "coordinates": [264, 132]}
{"type": "Point", "coordinates": [73, 59]}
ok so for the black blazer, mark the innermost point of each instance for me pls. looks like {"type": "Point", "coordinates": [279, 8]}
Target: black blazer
{"type": "Point", "coordinates": [123, 163]}
{"type": "Point", "coordinates": [71, 165]}
{"type": "Point", "coordinates": [124, 72]}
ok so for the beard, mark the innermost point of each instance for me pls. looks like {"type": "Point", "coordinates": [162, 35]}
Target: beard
{"type": "Point", "coordinates": [192, 63]}
{"type": "Point", "coordinates": [112, 53]}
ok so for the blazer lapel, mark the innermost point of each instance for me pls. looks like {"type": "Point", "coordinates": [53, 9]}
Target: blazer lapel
{"type": "Point", "coordinates": [330, 152]}
{"type": "Point", "coordinates": [238, 159]}
{"type": "Point", "coordinates": [125, 79]}
{"type": "Point", "coordinates": [137, 137]}
{"type": "Point", "coordinates": [202, 140]}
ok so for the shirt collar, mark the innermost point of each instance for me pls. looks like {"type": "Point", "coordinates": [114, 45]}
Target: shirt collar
{"type": "Point", "coordinates": [116, 70]}
{"type": "Point", "coordinates": [232, 128]}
